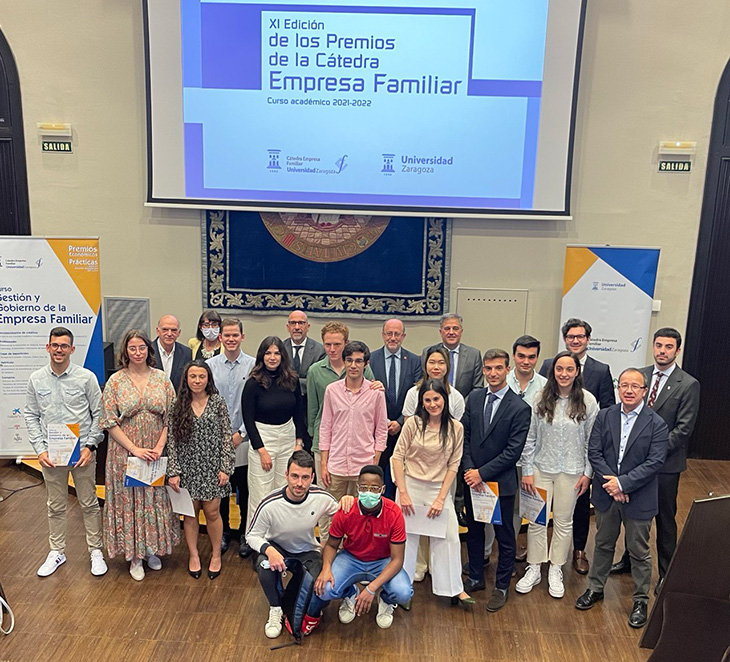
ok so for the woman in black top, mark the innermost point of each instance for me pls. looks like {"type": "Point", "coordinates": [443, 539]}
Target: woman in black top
{"type": "Point", "coordinates": [274, 419]}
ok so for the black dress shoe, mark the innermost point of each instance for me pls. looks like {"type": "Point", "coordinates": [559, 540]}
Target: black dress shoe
{"type": "Point", "coordinates": [225, 541]}
{"type": "Point", "coordinates": [461, 519]}
{"type": "Point", "coordinates": [637, 618]}
{"type": "Point", "coordinates": [244, 551]}
{"type": "Point", "coordinates": [621, 567]}
{"type": "Point", "coordinates": [498, 600]}
{"type": "Point", "coordinates": [658, 586]}
{"type": "Point", "coordinates": [588, 599]}
{"type": "Point", "coordinates": [471, 585]}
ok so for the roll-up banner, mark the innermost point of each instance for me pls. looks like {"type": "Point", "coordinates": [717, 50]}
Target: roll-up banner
{"type": "Point", "coordinates": [612, 288]}
{"type": "Point", "coordinates": [44, 282]}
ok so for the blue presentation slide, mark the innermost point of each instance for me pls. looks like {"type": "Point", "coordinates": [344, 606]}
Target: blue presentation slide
{"type": "Point", "coordinates": [373, 104]}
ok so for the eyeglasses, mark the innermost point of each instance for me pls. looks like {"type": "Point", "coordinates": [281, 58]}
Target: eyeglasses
{"type": "Point", "coordinates": [631, 387]}
{"type": "Point", "coordinates": [577, 336]}
{"type": "Point", "coordinates": [392, 334]}
{"type": "Point", "coordinates": [295, 323]}
{"type": "Point", "coordinates": [62, 346]}
{"type": "Point", "coordinates": [369, 488]}
{"type": "Point", "coordinates": [209, 325]}
{"type": "Point", "coordinates": [350, 361]}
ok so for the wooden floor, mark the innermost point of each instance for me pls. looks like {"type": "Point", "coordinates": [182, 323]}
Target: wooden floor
{"type": "Point", "coordinates": [172, 617]}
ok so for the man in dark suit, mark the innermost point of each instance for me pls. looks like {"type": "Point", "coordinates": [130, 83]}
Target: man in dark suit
{"type": "Point", "coordinates": [495, 422]}
{"type": "Point", "coordinates": [466, 361]}
{"type": "Point", "coordinates": [675, 396]}
{"type": "Point", "coordinates": [170, 355]}
{"type": "Point", "coordinates": [399, 370]}
{"type": "Point", "coordinates": [596, 379]}
{"type": "Point", "coordinates": [303, 351]}
{"type": "Point", "coordinates": [627, 449]}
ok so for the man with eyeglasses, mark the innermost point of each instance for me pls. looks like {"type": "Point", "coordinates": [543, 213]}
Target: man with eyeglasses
{"type": "Point", "coordinates": [171, 356]}
{"type": "Point", "coordinates": [627, 448]}
{"type": "Point", "coordinates": [303, 352]}
{"type": "Point", "coordinates": [354, 427]}
{"type": "Point", "coordinates": [374, 533]}
{"type": "Point", "coordinates": [399, 370]}
{"type": "Point", "coordinates": [598, 380]}
{"type": "Point", "coordinates": [66, 394]}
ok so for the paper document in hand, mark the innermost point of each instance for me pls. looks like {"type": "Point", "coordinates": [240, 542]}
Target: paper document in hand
{"type": "Point", "coordinates": [181, 502]}
{"type": "Point", "coordinates": [486, 504]}
{"type": "Point", "coordinates": [64, 447]}
{"type": "Point", "coordinates": [141, 473]}
{"type": "Point", "coordinates": [533, 507]}
{"type": "Point", "coordinates": [422, 525]}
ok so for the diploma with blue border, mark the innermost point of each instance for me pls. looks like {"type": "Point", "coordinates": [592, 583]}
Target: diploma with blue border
{"type": "Point", "coordinates": [486, 504]}
{"type": "Point", "coordinates": [533, 507]}
{"type": "Point", "coordinates": [141, 473]}
{"type": "Point", "coordinates": [64, 448]}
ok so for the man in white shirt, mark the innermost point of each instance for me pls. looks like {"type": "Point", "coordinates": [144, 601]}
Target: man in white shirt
{"type": "Point", "coordinates": [66, 394]}
{"type": "Point", "coordinates": [230, 370]}
{"type": "Point", "coordinates": [171, 356]}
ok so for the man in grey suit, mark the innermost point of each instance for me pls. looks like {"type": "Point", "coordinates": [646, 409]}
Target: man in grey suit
{"type": "Point", "coordinates": [596, 379]}
{"type": "Point", "coordinates": [675, 396]}
{"type": "Point", "coordinates": [627, 448]}
{"type": "Point", "coordinates": [170, 355]}
{"type": "Point", "coordinates": [303, 351]}
{"type": "Point", "coordinates": [397, 368]}
{"type": "Point", "coordinates": [466, 362]}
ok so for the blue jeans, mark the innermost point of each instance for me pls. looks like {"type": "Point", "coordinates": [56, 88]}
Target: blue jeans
{"type": "Point", "coordinates": [348, 571]}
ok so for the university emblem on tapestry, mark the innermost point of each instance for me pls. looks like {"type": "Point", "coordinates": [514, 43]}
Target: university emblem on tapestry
{"type": "Point", "coordinates": [327, 264]}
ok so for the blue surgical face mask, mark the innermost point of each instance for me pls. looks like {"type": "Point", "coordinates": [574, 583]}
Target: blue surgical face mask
{"type": "Point", "coordinates": [369, 500]}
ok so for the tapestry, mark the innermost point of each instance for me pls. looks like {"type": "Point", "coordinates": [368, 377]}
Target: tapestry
{"type": "Point", "coordinates": [326, 264]}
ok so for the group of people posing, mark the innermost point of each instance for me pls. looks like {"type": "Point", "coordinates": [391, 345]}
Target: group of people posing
{"type": "Point", "coordinates": [391, 438]}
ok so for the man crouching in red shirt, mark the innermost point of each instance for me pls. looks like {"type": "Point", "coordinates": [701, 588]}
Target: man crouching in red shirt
{"type": "Point", "coordinates": [375, 534]}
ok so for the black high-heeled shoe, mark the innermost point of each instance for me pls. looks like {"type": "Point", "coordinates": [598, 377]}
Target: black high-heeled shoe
{"type": "Point", "coordinates": [212, 574]}
{"type": "Point", "coordinates": [462, 602]}
{"type": "Point", "coordinates": [195, 574]}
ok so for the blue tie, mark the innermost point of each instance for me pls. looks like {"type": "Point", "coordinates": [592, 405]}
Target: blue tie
{"type": "Point", "coordinates": [391, 381]}
{"type": "Point", "coordinates": [488, 411]}
{"type": "Point", "coordinates": [452, 352]}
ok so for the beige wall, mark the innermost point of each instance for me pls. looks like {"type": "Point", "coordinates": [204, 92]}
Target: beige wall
{"type": "Point", "coordinates": [650, 70]}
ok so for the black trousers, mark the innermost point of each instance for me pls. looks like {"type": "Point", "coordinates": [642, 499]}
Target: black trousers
{"type": "Point", "coordinates": [504, 534]}
{"type": "Point", "coordinates": [239, 482]}
{"type": "Point", "coordinates": [581, 521]}
{"type": "Point", "coordinates": [270, 580]}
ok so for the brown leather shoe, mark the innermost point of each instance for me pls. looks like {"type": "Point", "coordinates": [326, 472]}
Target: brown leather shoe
{"type": "Point", "coordinates": [496, 602]}
{"type": "Point", "coordinates": [580, 562]}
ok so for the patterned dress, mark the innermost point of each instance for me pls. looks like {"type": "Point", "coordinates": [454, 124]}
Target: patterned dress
{"type": "Point", "coordinates": [138, 521]}
{"type": "Point", "coordinates": [209, 449]}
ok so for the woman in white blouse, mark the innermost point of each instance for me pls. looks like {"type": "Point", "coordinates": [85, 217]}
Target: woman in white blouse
{"type": "Point", "coordinates": [436, 365]}
{"type": "Point", "coordinates": [555, 458]}
{"type": "Point", "coordinates": [425, 464]}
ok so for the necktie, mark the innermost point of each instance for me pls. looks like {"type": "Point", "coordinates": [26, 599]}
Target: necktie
{"type": "Point", "coordinates": [297, 360]}
{"type": "Point", "coordinates": [391, 381]}
{"type": "Point", "coordinates": [488, 411]}
{"type": "Point", "coordinates": [655, 389]}
{"type": "Point", "coordinates": [452, 352]}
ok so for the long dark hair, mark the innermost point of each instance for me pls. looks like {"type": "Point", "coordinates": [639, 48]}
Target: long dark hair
{"type": "Point", "coordinates": [286, 378]}
{"type": "Point", "coordinates": [437, 349]}
{"type": "Point", "coordinates": [551, 393]}
{"type": "Point", "coordinates": [447, 421]}
{"type": "Point", "coordinates": [182, 411]}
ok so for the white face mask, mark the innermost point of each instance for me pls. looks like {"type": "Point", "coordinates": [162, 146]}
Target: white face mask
{"type": "Point", "coordinates": [211, 334]}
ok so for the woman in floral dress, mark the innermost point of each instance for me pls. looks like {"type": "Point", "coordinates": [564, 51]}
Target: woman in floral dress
{"type": "Point", "coordinates": [201, 459]}
{"type": "Point", "coordinates": [138, 521]}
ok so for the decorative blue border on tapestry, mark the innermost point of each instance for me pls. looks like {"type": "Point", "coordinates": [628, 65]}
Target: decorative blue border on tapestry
{"type": "Point", "coordinates": [253, 263]}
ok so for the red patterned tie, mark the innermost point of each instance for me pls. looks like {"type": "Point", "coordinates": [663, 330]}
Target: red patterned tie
{"type": "Point", "coordinates": [655, 389]}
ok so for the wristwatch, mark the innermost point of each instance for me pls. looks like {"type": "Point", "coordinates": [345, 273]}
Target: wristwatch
{"type": "Point", "coordinates": [90, 447]}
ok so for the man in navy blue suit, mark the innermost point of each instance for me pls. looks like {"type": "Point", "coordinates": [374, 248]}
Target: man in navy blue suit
{"type": "Point", "coordinates": [596, 379]}
{"type": "Point", "coordinates": [627, 449]}
{"type": "Point", "coordinates": [495, 422]}
{"type": "Point", "coordinates": [398, 369]}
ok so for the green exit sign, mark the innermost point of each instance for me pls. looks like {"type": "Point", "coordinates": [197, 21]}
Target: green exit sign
{"type": "Point", "coordinates": [63, 146]}
{"type": "Point", "coordinates": [675, 166]}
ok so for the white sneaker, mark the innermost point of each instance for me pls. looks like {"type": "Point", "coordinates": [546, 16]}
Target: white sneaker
{"type": "Point", "coordinates": [53, 560]}
{"type": "Point", "coordinates": [531, 578]}
{"type": "Point", "coordinates": [273, 625]}
{"type": "Point", "coordinates": [98, 565]}
{"type": "Point", "coordinates": [154, 562]}
{"type": "Point", "coordinates": [347, 610]}
{"type": "Point", "coordinates": [555, 581]}
{"type": "Point", "coordinates": [384, 619]}
{"type": "Point", "coordinates": [136, 569]}
{"type": "Point", "coordinates": [419, 576]}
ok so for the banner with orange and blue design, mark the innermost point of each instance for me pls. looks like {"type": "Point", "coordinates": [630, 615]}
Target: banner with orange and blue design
{"type": "Point", "coordinates": [45, 282]}
{"type": "Point", "coordinates": [612, 288]}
